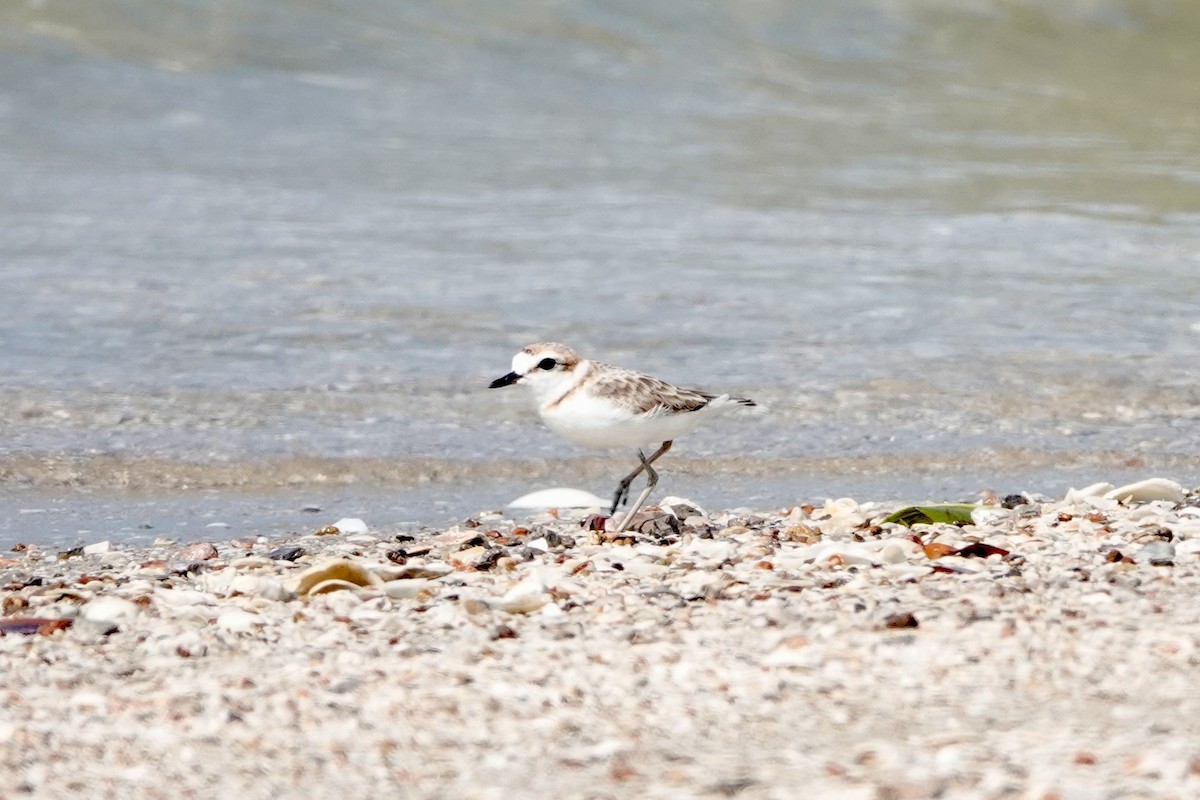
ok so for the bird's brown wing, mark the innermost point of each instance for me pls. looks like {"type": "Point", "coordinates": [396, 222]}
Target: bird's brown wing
{"type": "Point", "coordinates": [645, 394]}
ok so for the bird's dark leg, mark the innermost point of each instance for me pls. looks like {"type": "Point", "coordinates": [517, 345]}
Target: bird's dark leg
{"type": "Point", "coordinates": [623, 487]}
{"type": "Point", "coordinates": [651, 482]}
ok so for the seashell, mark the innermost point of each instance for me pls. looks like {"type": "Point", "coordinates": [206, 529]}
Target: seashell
{"type": "Point", "coordinates": [331, 585]}
{"type": "Point", "coordinates": [183, 597]}
{"type": "Point", "coordinates": [27, 626]}
{"type": "Point", "coordinates": [239, 621]}
{"type": "Point", "coordinates": [680, 508]}
{"type": "Point", "coordinates": [351, 525]}
{"type": "Point", "coordinates": [187, 644]}
{"type": "Point", "coordinates": [342, 570]}
{"type": "Point", "coordinates": [256, 586]}
{"type": "Point", "coordinates": [1188, 547]}
{"type": "Point", "coordinates": [97, 547]}
{"type": "Point", "coordinates": [843, 506]}
{"type": "Point", "coordinates": [1159, 553]}
{"type": "Point", "coordinates": [252, 562]}
{"type": "Point", "coordinates": [848, 553]}
{"type": "Point", "coordinates": [793, 652]}
{"type": "Point", "coordinates": [105, 615]}
{"type": "Point", "coordinates": [191, 558]}
{"type": "Point", "coordinates": [1079, 496]}
{"type": "Point", "coordinates": [197, 551]}
{"type": "Point", "coordinates": [989, 515]}
{"type": "Point", "coordinates": [287, 552]}
{"type": "Point", "coordinates": [912, 571]}
{"type": "Point", "coordinates": [559, 497]}
{"type": "Point", "coordinates": [712, 550]}
{"type": "Point", "coordinates": [893, 552]}
{"type": "Point", "coordinates": [408, 589]}
{"type": "Point", "coordinates": [694, 585]}
{"type": "Point", "coordinates": [1147, 491]}
{"type": "Point", "coordinates": [387, 572]}
{"type": "Point", "coordinates": [529, 594]}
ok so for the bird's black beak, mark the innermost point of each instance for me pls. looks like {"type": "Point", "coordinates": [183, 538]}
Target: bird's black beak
{"type": "Point", "coordinates": [507, 380]}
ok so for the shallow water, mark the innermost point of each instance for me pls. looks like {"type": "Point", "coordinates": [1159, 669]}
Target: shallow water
{"type": "Point", "coordinates": [952, 246]}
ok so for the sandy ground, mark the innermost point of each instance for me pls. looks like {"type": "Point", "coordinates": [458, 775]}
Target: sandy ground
{"type": "Point", "coordinates": [802, 652]}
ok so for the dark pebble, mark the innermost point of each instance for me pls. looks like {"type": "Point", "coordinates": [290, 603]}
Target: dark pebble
{"type": "Point", "coordinates": [556, 539]}
{"type": "Point", "coordinates": [503, 632]}
{"type": "Point", "coordinates": [287, 552]}
{"type": "Point", "coordinates": [489, 559]}
{"type": "Point", "coordinates": [905, 620]}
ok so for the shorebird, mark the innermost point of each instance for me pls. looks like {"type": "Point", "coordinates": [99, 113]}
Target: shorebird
{"type": "Point", "coordinates": [600, 406]}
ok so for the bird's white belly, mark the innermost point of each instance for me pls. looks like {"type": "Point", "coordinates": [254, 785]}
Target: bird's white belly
{"type": "Point", "coordinates": [599, 425]}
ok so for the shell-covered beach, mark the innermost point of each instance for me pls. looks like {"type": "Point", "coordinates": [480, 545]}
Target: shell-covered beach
{"type": "Point", "coordinates": [259, 263]}
{"type": "Point", "coordinates": [1045, 649]}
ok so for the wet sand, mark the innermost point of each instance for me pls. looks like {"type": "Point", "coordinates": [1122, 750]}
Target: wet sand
{"type": "Point", "coordinates": [1046, 650]}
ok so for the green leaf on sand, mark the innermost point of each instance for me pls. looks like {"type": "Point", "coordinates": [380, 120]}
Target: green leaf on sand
{"type": "Point", "coordinates": [954, 513]}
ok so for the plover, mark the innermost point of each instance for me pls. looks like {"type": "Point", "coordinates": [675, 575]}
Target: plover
{"type": "Point", "coordinates": [601, 406]}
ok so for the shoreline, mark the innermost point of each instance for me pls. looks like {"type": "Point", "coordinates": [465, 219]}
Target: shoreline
{"type": "Point", "coordinates": [1044, 650]}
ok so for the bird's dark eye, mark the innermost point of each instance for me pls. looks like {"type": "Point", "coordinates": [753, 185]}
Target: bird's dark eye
{"type": "Point", "coordinates": [547, 363]}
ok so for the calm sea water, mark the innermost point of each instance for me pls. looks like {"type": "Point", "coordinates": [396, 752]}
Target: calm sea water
{"type": "Point", "coordinates": [257, 256]}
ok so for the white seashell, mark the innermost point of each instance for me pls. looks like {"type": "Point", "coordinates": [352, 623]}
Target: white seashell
{"type": "Point", "coordinates": [893, 552]}
{"type": "Point", "coordinates": [989, 515]}
{"type": "Point", "coordinates": [559, 497]}
{"type": "Point", "coordinates": [1151, 513]}
{"type": "Point", "coordinates": [1188, 547]}
{"type": "Point", "coordinates": [183, 597]}
{"type": "Point", "coordinates": [527, 595]}
{"type": "Point", "coordinates": [637, 568]}
{"type": "Point", "coordinates": [341, 569]}
{"type": "Point", "coordinates": [256, 586]}
{"type": "Point", "coordinates": [908, 570]}
{"type": "Point", "coordinates": [850, 553]}
{"type": "Point", "coordinates": [793, 653]}
{"type": "Point", "coordinates": [408, 589]}
{"type": "Point", "coordinates": [108, 614]}
{"type": "Point", "coordinates": [97, 547]}
{"type": "Point", "coordinates": [1078, 496]}
{"type": "Point", "coordinates": [351, 525]}
{"type": "Point", "coordinates": [217, 583]}
{"type": "Point", "coordinates": [712, 550]}
{"type": "Point", "coordinates": [187, 644]}
{"type": "Point", "coordinates": [1147, 491]}
{"type": "Point", "coordinates": [841, 507]}
{"type": "Point", "coordinates": [698, 584]}
{"type": "Point", "coordinates": [253, 562]}
{"type": "Point", "coordinates": [1186, 529]}
{"type": "Point", "coordinates": [236, 620]}
{"type": "Point", "coordinates": [337, 604]}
